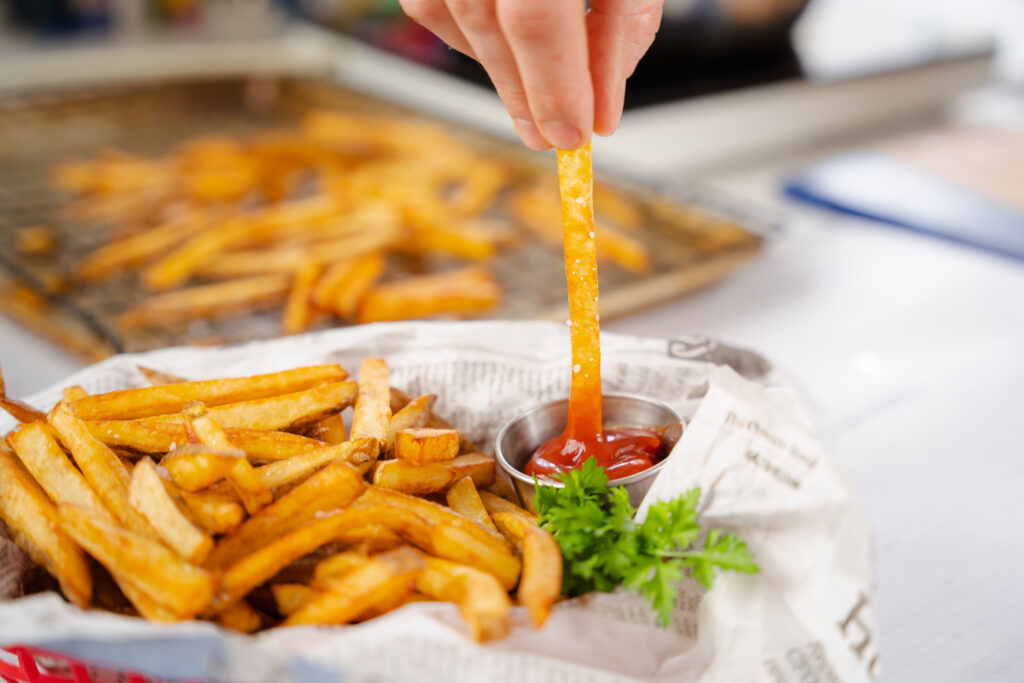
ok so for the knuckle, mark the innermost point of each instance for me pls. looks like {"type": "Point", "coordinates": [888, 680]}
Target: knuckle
{"type": "Point", "coordinates": [527, 21]}
{"type": "Point", "coordinates": [473, 13]}
{"type": "Point", "coordinates": [424, 11]}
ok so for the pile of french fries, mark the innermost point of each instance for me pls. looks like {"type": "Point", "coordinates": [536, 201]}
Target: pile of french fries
{"type": "Point", "coordinates": [340, 218]}
{"type": "Point", "coordinates": [245, 502]}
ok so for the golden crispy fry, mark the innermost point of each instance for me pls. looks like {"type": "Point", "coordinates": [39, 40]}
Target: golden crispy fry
{"type": "Point", "coordinates": [147, 607]}
{"type": "Point", "coordinates": [33, 521]}
{"type": "Point", "coordinates": [404, 476]}
{"type": "Point", "coordinates": [181, 587]}
{"type": "Point", "coordinates": [484, 604]}
{"type": "Point", "coordinates": [346, 283]}
{"type": "Point", "coordinates": [617, 208]}
{"type": "Point", "coordinates": [293, 469]}
{"type": "Point", "coordinates": [73, 393]}
{"type": "Point", "coordinates": [373, 406]}
{"type": "Point", "coordinates": [464, 239]}
{"type": "Point", "coordinates": [423, 446]}
{"type": "Point", "coordinates": [218, 300]}
{"type": "Point", "coordinates": [496, 504]}
{"type": "Point", "coordinates": [46, 461]}
{"type": "Point", "coordinates": [330, 430]}
{"type": "Point", "coordinates": [298, 313]}
{"type": "Point", "coordinates": [175, 268]}
{"type": "Point", "coordinates": [333, 487]}
{"type": "Point", "coordinates": [213, 511]}
{"type": "Point", "coordinates": [464, 499]}
{"type": "Point", "coordinates": [160, 437]}
{"type": "Point", "coordinates": [156, 377]}
{"type": "Point", "coordinates": [461, 292]}
{"type": "Point", "coordinates": [22, 412]}
{"type": "Point", "coordinates": [148, 495]}
{"type": "Point", "coordinates": [240, 617]}
{"type": "Point", "coordinates": [290, 597]}
{"type": "Point", "coordinates": [373, 538]}
{"type": "Point", "coordinates": [331, 569]}
{"type": "Point", "coordinates": [400, 399]}
{"type": "Point", "coordinates": [102, 469]}
{"type": "Point", "coordinates": [388, 574]}
{"type": "Point", "coordinates": [541, 584]}
{"type": "Point", "coordinates": [194, 466]}
{"type": "Point", "coordinates": [161, 400]}
{"type": "Point", "coordinates": [413, 414]}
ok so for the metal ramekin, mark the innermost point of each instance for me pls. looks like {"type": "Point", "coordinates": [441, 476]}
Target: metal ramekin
{"type": "Point", "coordinates": [525, 433]}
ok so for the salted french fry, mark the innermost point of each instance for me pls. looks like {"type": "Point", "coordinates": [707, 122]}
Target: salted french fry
{"type": "Point", "coordinates": [373, 406]}
{"type": "Point", "coordinates": [464, 499]}
{"type": "Point", "coordinates": [330, 430]}
{"type": "Point", "coordinates": [34, 523]}
{"type": "Point", "coordinates": [290, 597]}
{"type": "Point", "coordinates": [495, 504]}
{"type": "Point", "coordinates": [333, 487]}
{"type": "Point", "coordinates": [160, 437]}
{"type": "Point", "coordinates": [240, 617]}
{"type": "Point", "coordinates": [103, 470]}
{"type": "Point", "coordinates": [331, 569]}
{"type": "Point", "coordinates": [387, 574]}
{"type": "Point", "coordinates": [149, 496]}
{"type": "Point", "coordinates": [298, 313]}
{"type": "Point", "coordinates": [541, 583]}
{"type": "Point", "coordinates": [345, 284]}
{"type": "Point", "coordinates": [202, 302]}
{"type": "Point", "coordinates": [484, 604]}
{"type": "Point", "coordinates": [156, 377]}
{"type": "Point", "coordinates": [406, 477]}
{"type": "Point", "coordinates": [43, 457]}
{"type": "Point", "coordinates": [171, 398]}
{"type": "Point", "coordinates": [284, 472]}
{"type": "Point", "coordinates": [22, 412]}
{"type": "Point", "coordinates": [213, 511]}
{"type": "Point", "coordinates": [194, 466]}
{"type": "Point", "coordinates": [423, 446]}
{"type": "Point", "coordinates": [156, 571]}
{"type": "Point", "coordinates": [243, 478]}
{"type": "Point", "coordinates": [462, 292]}
{"type": "Point", "coordinates": [413, 414]}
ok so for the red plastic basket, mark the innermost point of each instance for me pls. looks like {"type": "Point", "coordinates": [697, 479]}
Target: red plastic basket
{"type": "Point", "coordinates": [33, 665]}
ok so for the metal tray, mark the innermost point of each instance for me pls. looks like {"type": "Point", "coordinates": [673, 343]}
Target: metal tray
{"type": "Point", "coordinates": [692, 242]}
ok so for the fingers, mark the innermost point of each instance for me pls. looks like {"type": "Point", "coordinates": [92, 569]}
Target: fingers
{"type": "Point", "coordinates": [619, 32]}
{"type": "Point", "coordinates": [477, 20]}
{"type": "Point", "coordinates": [434, 16]}
{"type": "Point", "coordinates": [548, 41]}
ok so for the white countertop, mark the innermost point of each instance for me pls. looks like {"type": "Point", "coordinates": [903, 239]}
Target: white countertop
{"type": "Point", "coordinates": [913, 351]}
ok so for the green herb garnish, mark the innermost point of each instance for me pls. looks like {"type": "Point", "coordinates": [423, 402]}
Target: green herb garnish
{"type": "Point", "coordinates": [604, 548]}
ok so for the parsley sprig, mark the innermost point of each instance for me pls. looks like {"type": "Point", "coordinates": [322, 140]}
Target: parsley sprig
{"type": "Point", "coordinates": [604, 547]}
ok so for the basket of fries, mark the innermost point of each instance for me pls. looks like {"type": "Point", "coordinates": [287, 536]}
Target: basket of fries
{"type": "Point", "coordinates": [255, 513]}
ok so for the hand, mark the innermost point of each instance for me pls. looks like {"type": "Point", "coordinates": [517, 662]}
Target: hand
{"type": "Point", "coordinates": [560, 71]}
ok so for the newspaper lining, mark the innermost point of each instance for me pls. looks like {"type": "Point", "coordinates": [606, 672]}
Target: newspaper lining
{"type": "Point", "coordinates": [807, 616]}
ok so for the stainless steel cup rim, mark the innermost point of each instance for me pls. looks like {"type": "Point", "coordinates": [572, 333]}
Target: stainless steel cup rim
{"type": "Point", "coordinates": [518, 474]}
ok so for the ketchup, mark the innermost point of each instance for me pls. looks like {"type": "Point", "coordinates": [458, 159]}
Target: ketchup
{"type": "Point", "coordinates": [621, 451]}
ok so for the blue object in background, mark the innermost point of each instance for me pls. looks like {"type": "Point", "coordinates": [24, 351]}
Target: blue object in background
{"type": "Point", "coordinates": [871, 185]}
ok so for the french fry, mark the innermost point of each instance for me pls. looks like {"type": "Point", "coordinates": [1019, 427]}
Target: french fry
{"type": "Point", "coordinates": [331, 569]}
{"type": "Point", "coordinates": [373, 406]}
{"type": "Point", "coordinates": [330, 430]}
{"type": "Point", "coordinates": [298, 313]}
{"type": "Point", "coordinates": [387, 574]}
{"type": "Point", "coordinates": [45, 460]}
{"type": "Point", "coordinates": [617, 208]}
{"type": "Point", "coordinates": [181, 587]}
{"type": "Point", "coordinates": [214, 512]}
{"type": "Point", "coordinates": [34, 522]}
{"type": "Point", "coordinates": [406, 477]}
{"type": "Point", "coordinates": [374, 538]}
{"type": "Point", "coordinates": [147, 607]}
{"type": "Point", "coordinates": [160, 437]}
{"type": "Point", "coordinates": [148, 495]}
{"type": "Point", "coordinates": [461, 292]}
{"type": "Point", "coordinates": [333, 487]}
{"type": "Point", "coordinates": [165, 399]}
{"type": "Point", "coordinates": [22, 412]}
{"type": "Point", "coordinates": [284, 472]}
{"type": "Point", "coordinates": [156, 377]}
{"type": "Point", "coordinates": [345, 284]}
{"type": "Point", "coordinates": [496, 504]}
{"type": "Point", "coordinates": [194, 467]}
{"type": "Point", "coordinates": [240, 617]}
{"type": "Point", "coordinates": [464, 499]}
{"type": "Point", "coordinates": [103, 470]}
{"type": "Point", "coordinates": [244, 480]}
{"type": "Point", "coordinates": [411, 415]}
{"type": "Point", "coordinates": [484, 604]}
{"type": "Point", "coordinates": [424, 446]}
{"type": "Point", "coordinates": [175, 268]}
{"type": "Point", "coordinates": [73, 393]}
{"type": "Point", "coordinates": [290, 597]}
{"type": "Point", "coordinates": [400, 399]}
{"type": "Point", "coordinates": [463, 239]}
{"type": "Point", "coordinates": [541, 583]}
{"type": "Point", "coordinates": [218, 300]}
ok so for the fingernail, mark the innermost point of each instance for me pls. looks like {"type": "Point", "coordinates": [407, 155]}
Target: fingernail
{"type": "Point", "coordinates": [561, 134]}
{"type": "Point", "coordinates": [530, 135]}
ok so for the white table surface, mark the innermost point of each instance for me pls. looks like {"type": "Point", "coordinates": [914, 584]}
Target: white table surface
{"type": "Point", "coordinates": [913, 351]}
